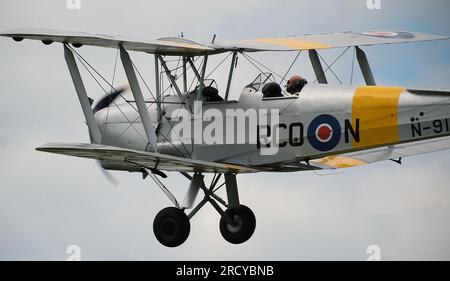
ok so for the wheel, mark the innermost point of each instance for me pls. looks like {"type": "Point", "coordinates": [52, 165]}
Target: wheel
{"type": "Point", "coordinates": [243, 227]}
{"type": "Point", "coordinates": [171, 227]}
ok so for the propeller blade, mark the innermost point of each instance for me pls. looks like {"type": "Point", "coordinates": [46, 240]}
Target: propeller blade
{"type": "Point", "coordinates": [106, 100]}
{"type": "Point", "coordinates": [107, 174]}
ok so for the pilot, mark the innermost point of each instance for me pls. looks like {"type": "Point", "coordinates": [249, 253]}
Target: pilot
{"type": "Point", "coordinates": [295, 84]}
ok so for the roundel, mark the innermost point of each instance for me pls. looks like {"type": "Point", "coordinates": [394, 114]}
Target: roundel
{"type": "Point", "coordinates": [324, 132]}
{"type": "Point", "coordinates": [389, 34]}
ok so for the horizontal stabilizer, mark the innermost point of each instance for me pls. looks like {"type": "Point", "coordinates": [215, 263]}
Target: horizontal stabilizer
{"type": "Point", "coordinates": [430, 92]}
{"type": "Point", "coordinates": [382, 153]}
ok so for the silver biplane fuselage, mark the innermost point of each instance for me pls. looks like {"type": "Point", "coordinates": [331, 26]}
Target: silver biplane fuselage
{"type": "Point", "coordinates": [367, 117]}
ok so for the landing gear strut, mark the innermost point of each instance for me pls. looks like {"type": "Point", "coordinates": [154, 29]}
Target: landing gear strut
{"type": "Point", "coordinates": [237, 223]}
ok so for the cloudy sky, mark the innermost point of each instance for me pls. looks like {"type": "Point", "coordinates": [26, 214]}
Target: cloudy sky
{"type": "Point", "coordinates": [48, 202]}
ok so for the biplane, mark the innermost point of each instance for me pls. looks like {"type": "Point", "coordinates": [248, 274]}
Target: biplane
{"type": "Point", "coordinates": [312, 126]}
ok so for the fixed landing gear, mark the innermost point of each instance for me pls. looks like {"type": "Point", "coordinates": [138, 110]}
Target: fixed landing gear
{"type": "Point", "coordinates": [242, 227]}
{"type": "Point", "coordinates": [237, 223]}
{"type": "Point", "coordinates": [171, 227]}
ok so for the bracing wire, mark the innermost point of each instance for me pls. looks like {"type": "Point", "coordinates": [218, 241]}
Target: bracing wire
{"type": "Point", "coordinates": [331, 65]}
{"type": "Point", "coordinates": [292, 64]}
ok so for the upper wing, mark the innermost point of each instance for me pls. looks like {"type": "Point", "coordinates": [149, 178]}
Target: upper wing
{"type": "Point", "coordinates": [182, 46]}
{"type": "Point", "coordinates": [165, 46]}
{"type": "Point", "coordinates": [141, 158]}
{"type": "Point", "coordinates": [380, 154]}
{"type": "Point", "coordinates": [334, 40]}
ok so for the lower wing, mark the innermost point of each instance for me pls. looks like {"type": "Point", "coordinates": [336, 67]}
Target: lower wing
{"type": "Point", "coordinates": [141, 159]}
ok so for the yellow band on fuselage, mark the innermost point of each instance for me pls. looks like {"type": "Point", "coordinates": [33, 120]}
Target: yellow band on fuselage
{"type": "Point", "coordinates": [377, 111]}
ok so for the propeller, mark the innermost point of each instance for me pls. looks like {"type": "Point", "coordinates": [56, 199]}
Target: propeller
{"type": "Point", "coordinates": [104, 102]}
{"type": "Point", "coordinates": [107, 174]}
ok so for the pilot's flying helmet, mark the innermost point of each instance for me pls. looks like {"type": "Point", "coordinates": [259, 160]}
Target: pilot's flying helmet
{"type": "Point", "coordinates": [295, 84]}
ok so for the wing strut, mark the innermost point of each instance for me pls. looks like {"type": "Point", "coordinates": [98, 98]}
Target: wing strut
{"type": "Point", "coordinates": [365, 67]}
{"type": "Point", "coordinates": [185, 89]}
{"type": "Point", "coordinates": [194, 69]}
{"type": "Point", "coordinates": [92, 124]}
{"type": "Point", "coordinates": [317, 66]}
{"type": "Point", "coordinates": [170, 77]}
{"type": "Point", "coordinates": [230, 75]}
{"type": "Point", "coordinates": [200, 78]}
{"type": "Point", "coordinates": [202, 81]}
{"type": "Point", "coordinates": [137, 94]}
{"type": "Point", "coordinates": [158, 89]}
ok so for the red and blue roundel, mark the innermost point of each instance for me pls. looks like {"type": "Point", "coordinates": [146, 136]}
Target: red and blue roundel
{"type": "Point", "coordinates": [324, 132]}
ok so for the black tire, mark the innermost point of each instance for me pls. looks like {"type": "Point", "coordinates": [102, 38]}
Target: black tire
{"type": "Point", "coordinates": [171, 227]}
{"type": "Point", "coordinates": [245, 224]}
